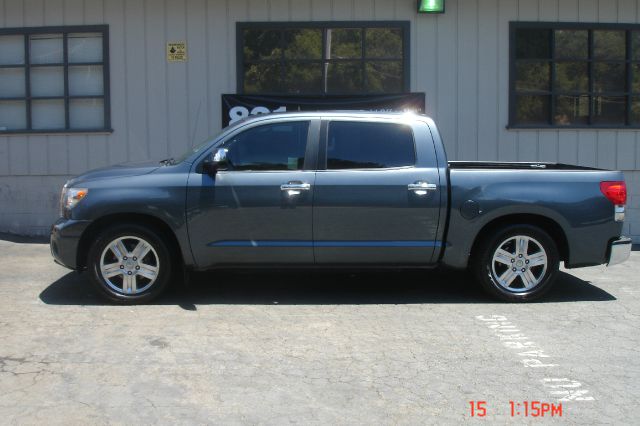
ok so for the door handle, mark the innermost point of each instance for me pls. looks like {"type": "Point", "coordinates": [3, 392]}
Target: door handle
{"type": "Point", "coordinates": [295, 188]}
{"type": "Point", "coordinates": [422, 188]}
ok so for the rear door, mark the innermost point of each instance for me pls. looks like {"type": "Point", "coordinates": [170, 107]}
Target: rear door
{"type": "Point", "coordinates": [259, 210]}
{"type": "Point", "coordinates": [377, 194]}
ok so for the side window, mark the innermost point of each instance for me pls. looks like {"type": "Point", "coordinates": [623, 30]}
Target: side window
{"type": "Point", "coordinates": [358, 145]}
{"type": "Point", "coordinates": [278, 146]}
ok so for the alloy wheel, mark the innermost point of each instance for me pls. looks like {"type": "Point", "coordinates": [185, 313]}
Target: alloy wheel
{"type": "Point", "coordinates": [129, 265]}
{"type": "Point", "coordinates": [519, 264]}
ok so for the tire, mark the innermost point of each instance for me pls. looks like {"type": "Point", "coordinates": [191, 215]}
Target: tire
{"type": "Point", "coordinates": [116, 272]}
{"type": "Point", "coordinates": [509, 273]}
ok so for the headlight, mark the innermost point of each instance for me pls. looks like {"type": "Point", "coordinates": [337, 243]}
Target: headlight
{"type": "Point", "coordinates": [70, 197]}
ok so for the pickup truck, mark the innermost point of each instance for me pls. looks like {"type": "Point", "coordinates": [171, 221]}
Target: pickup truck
{"type": "Point", "coordinates": [337, 189]}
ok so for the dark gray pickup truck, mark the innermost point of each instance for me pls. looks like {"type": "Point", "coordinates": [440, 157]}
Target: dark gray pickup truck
{"type": "Point", "coordinates": [343, 189]}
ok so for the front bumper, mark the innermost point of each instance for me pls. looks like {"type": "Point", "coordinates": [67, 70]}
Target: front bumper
{"type": "Point", "coordinates": [620, 251]}
{"type": "Point", "coordinates": [65, 239]}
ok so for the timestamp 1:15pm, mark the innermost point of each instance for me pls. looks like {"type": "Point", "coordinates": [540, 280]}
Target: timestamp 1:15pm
{"type": "Point", "coordinates": [520, 409]}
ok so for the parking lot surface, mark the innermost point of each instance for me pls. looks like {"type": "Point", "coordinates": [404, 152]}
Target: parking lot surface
{"type": "Point", "coordinates": [314, 347]}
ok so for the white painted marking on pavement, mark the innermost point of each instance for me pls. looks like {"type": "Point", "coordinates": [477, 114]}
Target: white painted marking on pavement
{"type": "Point", "coordinates": [513, 338]}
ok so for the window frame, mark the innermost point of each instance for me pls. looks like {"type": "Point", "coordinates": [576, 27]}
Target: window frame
{"type": "Point", "coordinates": [553, 93]}
{"type": "Point", "coordinates": [324, 149]}
{"type": "Point", "coordinates": [65, 30]}
{"type": "Point", "coordinates": [311, 147]}
{"type": "Point", "coordinates": [404, 26]}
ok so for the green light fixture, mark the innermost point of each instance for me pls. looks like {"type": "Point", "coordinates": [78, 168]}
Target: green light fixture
{"type": "Point", "coordinates": [430, 6]}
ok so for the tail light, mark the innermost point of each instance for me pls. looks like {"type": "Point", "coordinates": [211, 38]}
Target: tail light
{"type": "Point", "coordinates": [615, 191]}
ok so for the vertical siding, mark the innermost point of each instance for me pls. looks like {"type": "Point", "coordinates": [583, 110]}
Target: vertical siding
{"type": "Point", "coordinates": [98, 145]}
{"type": "Point", "coordinates": [4, 142]}
{"type": "Point", "coordinates": [218, 78]}
{"type": "Point", "coordinates": [627, 141]}
{"type": "Point", "coordinates": [340, 9]}
{"type": "Point", "coordinates": [37, 146]}
{"type": "Point", "coordinates": [301, 10]}
{"type": "Point", "coordinates": [176, 82]}
{"type": "Point", "coordinates": [459, 59]}
{"type": "Point", "coordinates": [446, 56]}
{"type": "Point", "coordinates": [467, 82]}
{"type": "Point", "coordinates": [18, 153]}
{"type": "Point", "coordinates": [548, 141]}
{"type": "Point", "coordinates": [58, 161]}
{"type": "Point", "coordinates": [321, 9]}
{"type": "Point", "coordinates": [77, 145]}
{"type": "Point", "coordinates": [136, 87]}
{"type": "Point", "coordinates": [528, 140]}
{"type": "Point", "coordinates": [507, 141]}
{"type": "Point", "coordinates": [568, 139]}
{"type": "Point", "coordinates": [159, 109]}
{"type": "Point", "coordinates": [197, 72]}
{"type": "Point", "coordinates": [487, 104]}
{"type": "Point", "coordinates": [156, 81]}
{"type": "Point", "coordinates": [118, 141]}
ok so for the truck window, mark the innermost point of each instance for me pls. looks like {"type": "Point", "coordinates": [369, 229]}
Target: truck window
{"type": "Point", "coordinates": [278, 146]}
{"type": "Point", "coordinates": [361, 145]}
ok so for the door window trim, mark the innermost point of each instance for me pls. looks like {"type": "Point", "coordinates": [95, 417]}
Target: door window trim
{"type": "Point", "coordinates": [311, 148]}
{"type": "Point", "coordinates": [324, 145]}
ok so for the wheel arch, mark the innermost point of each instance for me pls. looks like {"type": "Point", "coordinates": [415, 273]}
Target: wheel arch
{"type": "Point", "coordinates": [140, 219]}
{"type": "Point", "coordinates": [551, 227]}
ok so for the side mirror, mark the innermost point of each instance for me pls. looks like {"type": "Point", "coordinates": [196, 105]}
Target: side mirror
{"type": "Point", "coordinates": [216, 161]}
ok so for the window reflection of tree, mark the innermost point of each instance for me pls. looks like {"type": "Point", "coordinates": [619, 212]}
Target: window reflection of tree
{"type": "Point", "coordinates": [323, 60]}
{"type": "Point", "coordinates": [579, 74]}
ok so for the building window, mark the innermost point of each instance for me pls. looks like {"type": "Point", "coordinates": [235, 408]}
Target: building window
{"type": "Point", "coordinates": [54, 80]}
{"type": "Point", "coordinates": [322, 58]}
{"type": "Point", "coordinates": [574, 75]}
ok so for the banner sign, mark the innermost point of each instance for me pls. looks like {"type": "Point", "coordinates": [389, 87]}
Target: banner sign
{"type": "Point", "coordinates": [238, 107]}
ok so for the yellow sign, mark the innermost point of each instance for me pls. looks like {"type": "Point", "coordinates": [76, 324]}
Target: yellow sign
{"type": "Point", "coordinates": [177, 51]}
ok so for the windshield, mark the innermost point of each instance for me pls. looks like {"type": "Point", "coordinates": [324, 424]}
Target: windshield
{"type": "Point", "coordinates": [206, 142]}
{"type": "Point", "coordinates": [192, 151]}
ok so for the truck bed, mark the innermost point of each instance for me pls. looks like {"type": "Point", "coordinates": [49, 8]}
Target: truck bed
{"type": "Point", "coordinates": [514, 165]}
{"type": "Point", "coordinates": [570, 196]}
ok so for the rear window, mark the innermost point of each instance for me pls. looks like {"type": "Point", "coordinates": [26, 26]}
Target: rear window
{"type": "Point", "coordinates": [360, 145]}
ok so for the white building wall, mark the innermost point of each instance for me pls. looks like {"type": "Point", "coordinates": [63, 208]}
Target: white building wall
{"type": "Point", "coordinates": [159, 109]}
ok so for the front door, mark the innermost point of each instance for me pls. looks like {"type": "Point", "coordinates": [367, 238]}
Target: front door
{"type": "Point", "coordinates": [259, 210]}
{"type": "Point", "coordinates": [377, 202]}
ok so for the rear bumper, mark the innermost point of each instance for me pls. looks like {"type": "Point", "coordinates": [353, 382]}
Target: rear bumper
{"type": "Point", "coordinates": [620, 251]}
{"type": "Point", "coordinates": [64, 241]}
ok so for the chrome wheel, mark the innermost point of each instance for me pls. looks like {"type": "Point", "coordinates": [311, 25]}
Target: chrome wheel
{"type": "Point", "coordinates": [519, 264]}
{"type": "Point", "coordinates": [129, 265]}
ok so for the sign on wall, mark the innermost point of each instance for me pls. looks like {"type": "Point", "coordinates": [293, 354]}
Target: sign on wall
{"type": "Point", "coordinates": [176, 51]}
{"type": "Point", "coordinates": [238, 107]}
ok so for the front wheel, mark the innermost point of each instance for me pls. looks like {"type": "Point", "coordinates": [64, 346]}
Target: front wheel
{"type": "Point", "coordinates": [129, 264]}
{"type": "Point", "coordinates": [518, 263]}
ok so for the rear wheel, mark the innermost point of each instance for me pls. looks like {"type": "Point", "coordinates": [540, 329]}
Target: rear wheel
{"type": "Point", "coordinates": [517, 263]}
{"type": "Point", "coordinates": [129, 264]}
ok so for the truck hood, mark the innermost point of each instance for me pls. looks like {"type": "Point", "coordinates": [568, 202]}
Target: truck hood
{"type": "Point", "coordinates": [117, 171]}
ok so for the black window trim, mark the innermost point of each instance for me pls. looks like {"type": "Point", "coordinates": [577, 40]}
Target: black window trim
{"type": "Point", "coordinates": [517, 25]}
{"type": "Point", "coordinates": [64, 30]}
{"type": "Point", "coordinates": [405, 26]}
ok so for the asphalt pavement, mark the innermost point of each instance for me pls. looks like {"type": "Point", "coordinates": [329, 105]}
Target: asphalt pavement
{"type": "Point", "coordinates": [310, 347]}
